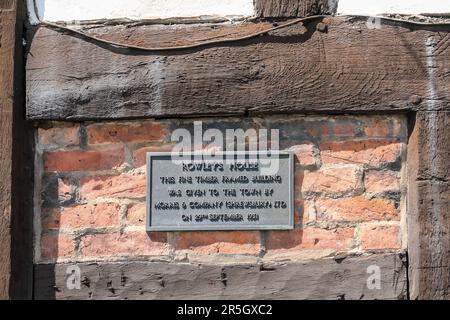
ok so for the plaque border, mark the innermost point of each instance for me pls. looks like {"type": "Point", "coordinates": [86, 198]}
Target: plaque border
{"type": "Point", "coordinates": [174, 228]}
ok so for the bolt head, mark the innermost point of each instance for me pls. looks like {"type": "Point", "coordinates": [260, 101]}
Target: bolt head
{"type": "Point", "coordinates": [322, 27]}
{"type": "Point", "coordinates": [415, 99]}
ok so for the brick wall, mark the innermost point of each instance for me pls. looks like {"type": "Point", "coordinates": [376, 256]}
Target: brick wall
{"type": "Point", "coordinates": [349, 192]}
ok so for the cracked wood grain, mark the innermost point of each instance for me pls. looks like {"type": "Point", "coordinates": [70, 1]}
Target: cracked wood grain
{"type": "Point", "coordinates": [429, 206]}
{"type": "Point", "coordinates": [294, 8]}
{"type": "Point", "coordinates": [7, 41]}
{"type": "Point", "coordinates": [16, 163]}
{"type": "Point", "coordinates": [347, 69]}
{"type": "Point", "coordinates": [320, 279]}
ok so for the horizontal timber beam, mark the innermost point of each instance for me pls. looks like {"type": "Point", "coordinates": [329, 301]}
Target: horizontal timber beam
{"type": "Point", "coordinates": [344, 68]}
{"type": "Point", "coordinates": [319, 279]}
{"type": "Point", "coordinates": [294, 8]}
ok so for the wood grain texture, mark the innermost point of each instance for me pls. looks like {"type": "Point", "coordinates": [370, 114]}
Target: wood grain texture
{"type": "Point", "coordinates": [16, 160]}
{"type": "Point", "coordinates": [21, 284]}
{"type": "Point", "coordinates": [7, 48]}
{"type": "Point", "coordinates": [349, 68]}
{"type": "Point", "coordinates": [320, 279]}
{"type": "Point", "coordinates": [429, 206]}
{"type": "Point", "coordinates": [293, 8]}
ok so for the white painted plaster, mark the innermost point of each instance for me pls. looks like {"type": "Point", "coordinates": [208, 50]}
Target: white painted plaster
{"type": "Point", "coordinates": [69, 10]}
{"type": "Point", "coordinates": [377, 7]}
{"type": "Point", "coordinates": [73, 10]}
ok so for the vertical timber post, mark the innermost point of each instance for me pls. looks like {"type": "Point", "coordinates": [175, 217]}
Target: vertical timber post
{"type": "Point", "coordinates": [16, 164]}
{"type": "Point", "coordinates": [8, 11]}
{"type": "Point", "coordinates": [429, 206]}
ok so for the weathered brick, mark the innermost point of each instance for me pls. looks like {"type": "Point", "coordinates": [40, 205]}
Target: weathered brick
{"type": "Point", "coordinates": [310, 238]}
{"type": "Point", "coordinates": [57, 191]}
{"type": "Point", "coordinates": [121, 186]}
{"type": "Point", "coordinates": [55, 246]}
{"type": "Point", "coordinates": [302, 211]}
{"type": "Point", "coordinates": [65, 190]}
{"type": "Point", "coordinates": [139, 156]}
{"type": "Point", "coordinates": [383, 127]}
{"type": "Point", "coordinates": [319, 128]}
{"type": "Point", "coordinates": [227, 242]}
{"type": "Point", "coordinates": [380, 237]}
{"type": "Point", "coordinates": [142, 131]}
{"type": "Point", "coordinates": [125, 244]}
{"type": "Point", "coordinates": [333, 127]}
{"type": "Point", "coordinates": [356, 209]}
{"type": "Point", "coordinates": [304, 154]}
{"type": "Point", "coordinates": [371, 152]}
{"type": "Point", "coordinates": [68, 161]}
{"type": "Point", "coordinates": [382, 181]}
{"type": "Point", "coordinates": [136, 214]}
{"type": "Point", "coordinates": [345, 127]}
{"type": "Point", "coordinates": [82, 216]}
{"type": "Point", "coordinates": [50, 218]}
{"type": "Point", "coordinates": [59, 137]}
{"type": "Point", "coordinates": [339, 176]}
{"type": "Point", "coordinates": [329, 180]}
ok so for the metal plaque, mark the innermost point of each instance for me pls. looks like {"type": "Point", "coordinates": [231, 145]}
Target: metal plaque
{"type": "Point", "coordinates": [227, 191]}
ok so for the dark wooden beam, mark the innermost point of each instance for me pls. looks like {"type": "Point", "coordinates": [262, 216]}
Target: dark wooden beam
{"type": "Point", "coordinates": [348, 68]}
{"type": "Point", "coordinates": [429, 206]}
{"type": "Point", "coordinates": [16, 160]}
{"type": "Point", "coordinates": [320, 279]}
{"type": "Point", "coordinates": [294, 8]}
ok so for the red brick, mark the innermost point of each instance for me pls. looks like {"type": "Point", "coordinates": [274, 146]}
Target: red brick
{"type": "Point", "coordinates": [139, 156]}
{"type": "Point", "coordinates": [55, 246]}
{"type": "Point", "coordinates": [209, 148]}
{"type": "Point", "coordinates": [336, 127]}
{"type": "Point", "coordinates": [122, 186]}
{"type": "Point", "coordinates": [302, 209]}
{"type": "Point", "coordinates": [380, 237]}
{"type": "Point", "coordinates": [126, 244]}
{"type": "Point", "coordinates": [383, 127]}
{"type": "Point", "coordinates": [356, 209]}
{"type": "Point", "coordinates": [399, 127]}
{"type": "Point", "coordinates": [345, 127]}
{"type": "Point", "coordinates": [59, 137]}
{"type": "Point", "coordinates": [330, 180]}
{"type": "Point", "coordinates": [382, 181]}
{"type": "Point", "coordinates": [227, 242]}
{"type": "Point", "coordinates": [304, 154]}
{"type": "Point", "coordinates": [310, 239]}
{"type": "Point", "coordinates": [320, 129]}
{"type": "Point", "coordinates": [82, 216]}
{"type": "Point", "coordinates": [65, 190]}
{"type": "Point", "coordinates": [371, 152]}
{"type": "Point", "coordinates": [50, 218]}
{"type": "Point", "coordinates": [378, 128]}
{"type": "Point", "coordinates": [67, 161]}
{"type": "Point", "coordinates": [148, 131]}
{"type": "Point", "coordinates": [136, 214]}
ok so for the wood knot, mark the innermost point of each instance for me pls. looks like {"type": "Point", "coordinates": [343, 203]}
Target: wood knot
{"type": "Point", "coordinates": [415, 99]}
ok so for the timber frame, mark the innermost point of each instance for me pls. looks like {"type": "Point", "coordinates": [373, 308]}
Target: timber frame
{"type": "Point", "coordinates": [16, 159]}
{"type": "Point", "coordinates": [332, 65]}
